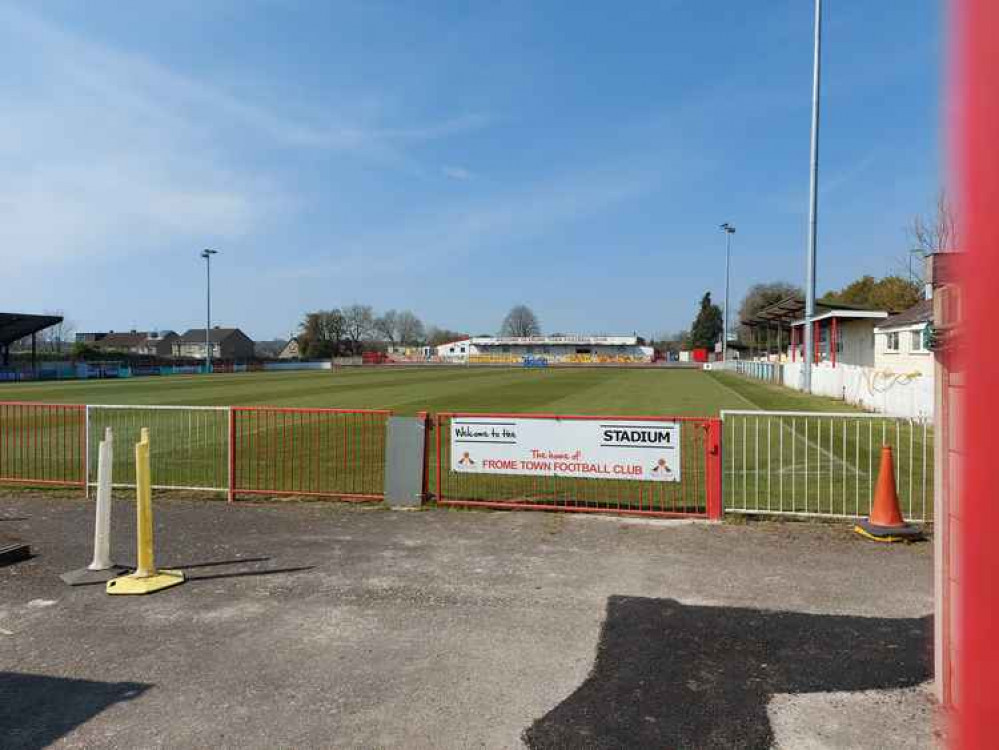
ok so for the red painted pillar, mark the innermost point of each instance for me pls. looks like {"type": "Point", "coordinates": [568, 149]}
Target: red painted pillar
{"type": "Point", "coordinates": [794, 344]}
{"type": "Point", "coordinates": [815, 341]}
{"type": "Point", "coordinates": [713, 474]}
{"type": "Point", "coordinates": [832, 341]}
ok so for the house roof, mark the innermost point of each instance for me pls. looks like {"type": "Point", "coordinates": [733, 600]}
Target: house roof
{"type": "Point", "coordinates": [791, 311]}
{"type": "Point", "coordinates": [843, 314]}
{"type": "Point", "coordinates": [123, 340]}
{"type": "Point", "coordinates": [216, 335]}
{"type": "Point", "coordinates": [275, 346]}
{"type": "Point", "coordinates": [921, 312]}
{"type": "Point", "coordinates": [15, 326]}
{"type": "Point", "coordinates": [112, 339]}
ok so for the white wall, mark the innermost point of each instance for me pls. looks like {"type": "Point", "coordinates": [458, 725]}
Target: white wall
{"type": "Point", "coordinates": [855, 339]}
{"type": "Point", "coordinates": [906, 359]}
{"type": "Point", "coordinates": [886, 392]}
{"type": "Point", "coordinates": [455, 351]}
{"type": "Point", "coordinates": [858, 342]}
{"type": "Point", "coordinates": [324, 365]}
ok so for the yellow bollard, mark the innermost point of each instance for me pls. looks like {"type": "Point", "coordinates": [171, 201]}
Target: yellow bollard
{"type": "Point", "coordinates": [146, 579]}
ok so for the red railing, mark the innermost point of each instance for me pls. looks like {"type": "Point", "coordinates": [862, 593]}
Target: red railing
{"type": "Point", "coordinates": [307, 452]}
{"type": "Point", "coordinates": [697, 494]}
{"type": "Point", "coordinates": [43, 444]}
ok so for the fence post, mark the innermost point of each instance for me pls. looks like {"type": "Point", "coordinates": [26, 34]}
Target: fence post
{"type": "Point", "coordinates": [86, 452]}
{"type": "Point", "coordinates": [231, 493]}
{"type": "Point", "coordinates": [428, 425]}
{"type": "Point", "coordinates": [713, 462]}
{"type": "Point", "coordinates": [440, 481]}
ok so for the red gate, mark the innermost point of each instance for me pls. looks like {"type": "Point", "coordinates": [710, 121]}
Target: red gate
{"type": "Point", "coordinates": [698, 493]}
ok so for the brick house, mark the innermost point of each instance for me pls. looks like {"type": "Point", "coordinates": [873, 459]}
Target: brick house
{"type": "Point", "coordinates": [226, 343]}
{"type": "Point", "coordinates": [141, 343]}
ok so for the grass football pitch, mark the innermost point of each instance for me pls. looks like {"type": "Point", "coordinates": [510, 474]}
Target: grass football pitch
{"type": "Point", "coordinates": [407, 391]}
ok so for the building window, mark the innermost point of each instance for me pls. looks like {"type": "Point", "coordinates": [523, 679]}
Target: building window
{"type": "Point", "coordinates": [891, 342]}
{"type": "Point", "coordinates": [918, 341]}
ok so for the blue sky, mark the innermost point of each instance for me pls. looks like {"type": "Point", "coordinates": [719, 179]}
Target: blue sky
{"type": "Point", "coordinates": [453, 158]}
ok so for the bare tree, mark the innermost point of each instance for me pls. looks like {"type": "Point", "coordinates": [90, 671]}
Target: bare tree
{"type": "Point", "coordinates": [386, 325]}
{"type": "Point", "coordinates": [934, 234]}
{"type": "Point", "coordinates": [359, 323]}
{"type": "Point", "coordinates": [937, 234]}
{"type": "Point", "coordinates": [58, 337]}
{"type": "Point", "coordinates": [409, 329]}
{"type": "Point", "coordinates": [520, 321]}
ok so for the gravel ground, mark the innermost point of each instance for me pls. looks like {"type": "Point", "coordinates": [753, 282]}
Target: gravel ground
{"type": "Point", "coordinates": [318, 625]}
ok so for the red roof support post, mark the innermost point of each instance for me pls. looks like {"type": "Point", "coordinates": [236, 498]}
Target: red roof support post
{"type": "Point", "coordinates": [832, 341]}
{"type": "Point", "coordinates": [816, 327]}
{"type": "Point", "coordinates": [794, 344]}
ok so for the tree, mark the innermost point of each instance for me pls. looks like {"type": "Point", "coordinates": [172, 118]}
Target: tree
{"type": "Point", "coordinates": [57, 337]}
{"type": "Point", "coordinates": [321, 334]}
{"type": "Point", "coordinates": [85, 351]}
{"type": "Point", "coordinates": [520, 321]}
{"type": "Point", "coordinates": [707, 326]}
{"type": "Point", "coordinates": [437, 336]}
{"type": "Point", "coordinates": [761, 296]}
{"type": "Point", "coordinates": [892, 293]}
{"type": "Point", "coordinates": [386, 325]}
{"type": "Point", "coordinates": [937, 234]}
{"type": "Point", "coordinates": [409, 329]}
{"type": "Point", "coordinates": [359, 323]}
{"type": "Point", "coordinates": [399, 327]}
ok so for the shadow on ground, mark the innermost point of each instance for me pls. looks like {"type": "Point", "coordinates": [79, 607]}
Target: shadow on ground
{"type": "Point", "coordinates": [677, 676]}
{"type": "Point", "coordinates": [36, 710]}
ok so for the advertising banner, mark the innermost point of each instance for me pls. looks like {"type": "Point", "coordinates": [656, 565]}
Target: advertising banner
{"type": "Point", "coordinates": [577, 448]}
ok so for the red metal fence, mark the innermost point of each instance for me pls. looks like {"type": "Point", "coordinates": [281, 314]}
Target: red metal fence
{"type": "Point", "coordinates": [249, 450]}
{"type": "Point", "coordinates": [309, 452]}
{"type": "Point", "coordinates": [697, 494]}
{"type": "Point", "coordinates": [43, 444]}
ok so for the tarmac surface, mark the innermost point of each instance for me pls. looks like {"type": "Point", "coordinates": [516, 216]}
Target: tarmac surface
{"type": "Point", "coordinates": [322, 625]}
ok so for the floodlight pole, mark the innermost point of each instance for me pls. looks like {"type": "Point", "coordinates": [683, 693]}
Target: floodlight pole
{"type": "Point", "coordinates": [813, 201]}
{"type": "Point", "coordinates": [729, 230]}
{"type": "Point", "coordinates": [207, 255]}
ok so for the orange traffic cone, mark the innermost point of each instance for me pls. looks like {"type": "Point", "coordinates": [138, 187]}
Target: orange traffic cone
{"type": "Point", "coordinates": [886, 523]}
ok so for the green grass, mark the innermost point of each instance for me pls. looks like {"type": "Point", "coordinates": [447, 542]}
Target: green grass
{"type": "Point", "coordinates": [335, 455]}
{"type": "Point", "coordinates": [407, 391]}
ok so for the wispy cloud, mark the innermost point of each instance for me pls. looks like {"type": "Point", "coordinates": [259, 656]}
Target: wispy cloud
{"type": "Point", "coordinates": [466, 228]}
{"type": "Point", "coordinates": [456, 173]}
{"type": "Point", "coordinates": [106, 150]}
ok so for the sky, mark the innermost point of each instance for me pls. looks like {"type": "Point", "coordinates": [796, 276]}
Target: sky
{"type": "Point", "coordinates": [452, 158]}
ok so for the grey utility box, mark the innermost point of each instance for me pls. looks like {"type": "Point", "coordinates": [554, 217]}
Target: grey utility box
{"type": "Point", "coordinates": [404, 461]}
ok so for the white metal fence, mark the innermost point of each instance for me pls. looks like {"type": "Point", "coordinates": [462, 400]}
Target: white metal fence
{"type": "Point", "coordinates": [190, 445]}
{"type": "Point", "coordinates": [822, 464]}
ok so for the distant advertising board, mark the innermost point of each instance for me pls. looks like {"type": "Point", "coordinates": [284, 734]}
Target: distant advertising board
{"type": "Point", "coordinates": [579, 449]}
